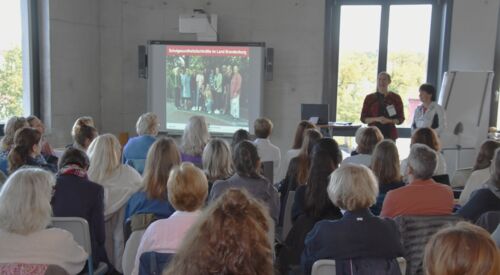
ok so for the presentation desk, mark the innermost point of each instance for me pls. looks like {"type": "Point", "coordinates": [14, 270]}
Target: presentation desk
{"type": "Point", "coordinates": [338, 130]}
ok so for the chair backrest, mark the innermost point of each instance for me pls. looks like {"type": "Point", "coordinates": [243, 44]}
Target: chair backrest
{"type": "Point", "coordinates": [131, 247]}
{"type": "Point", "coordinates": [78, 227]}
{"type": "Point", "coordinates": [460, 177]}
{"type": "Point", "coordinates": [444, 179]}
{"type": "Point", "coordinates": [324, 267]}
{"type": "Point", "coordinates": [416, 232]}
{"type": "Point", "coordinates": [489, 220]}
{"type": "Point", "coordinates": [328, 267]}
{"type": "Point", "coordinates": [137, 164]}
{"type": "Point", "coordinates": [287, 217]}
{"type": "Point", "coordinates": [268, 170]}
{"type": "Point", "coordinates": [153, 263]}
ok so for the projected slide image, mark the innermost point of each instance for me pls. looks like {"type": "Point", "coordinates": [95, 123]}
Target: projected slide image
{"type": "Point", "coordinates": [210, 81]}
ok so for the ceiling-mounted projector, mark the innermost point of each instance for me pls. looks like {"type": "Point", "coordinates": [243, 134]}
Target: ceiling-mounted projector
{"type": "Point", "coordinates": [202, 24]}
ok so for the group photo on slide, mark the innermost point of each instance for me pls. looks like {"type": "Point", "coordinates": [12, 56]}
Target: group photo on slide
{"type": "Point", "coordinates": [210, 81]}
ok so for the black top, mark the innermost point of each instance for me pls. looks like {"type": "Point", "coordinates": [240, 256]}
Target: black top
{"type": "Point", "coordinates": [481, 201]}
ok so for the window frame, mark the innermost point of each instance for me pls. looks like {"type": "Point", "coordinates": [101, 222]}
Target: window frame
{"type": "Point", "coordinates": [438, 46]}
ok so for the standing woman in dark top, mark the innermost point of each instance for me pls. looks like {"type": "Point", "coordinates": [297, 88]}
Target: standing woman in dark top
{"type": "Point", "coordinates": [76, 196]}
{"type": "Point", "coordinates": [385, 166]}
{"type": "Point", "coordinates": [383, 109]}
{"type": "Point", "coordinates": [26, 149]}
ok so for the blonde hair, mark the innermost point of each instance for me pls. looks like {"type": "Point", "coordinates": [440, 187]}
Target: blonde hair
{"type": "Point", "coordinates": [195, 136]}
{"type": "Point", "coordinates": [368, 139]}
{"type": "Point", "coordinates": [162, 156]}
{"type": "Point", "coordinates": [263, 127]}
{"type": "Point", "coordinates": [187, 187]}
{"type": "Point", "coordinates": [11, 126]}
{"type": "Point", "coordinates": [217, 160]}
{"type": "Point", "coordinates": [25, 201]}
{"type": "Point", "coordinates": [385, 162]}
{"type": "Point", "coordinates": [84, 120]}
{"type": "Point", "coordinates": [461, 249]}
{"type": "Point", "coordinates": [147, 124]}
{"type": "Point", "coordinates": [105, 157]}
{"type": "Point", "coordinates": [352, 187]}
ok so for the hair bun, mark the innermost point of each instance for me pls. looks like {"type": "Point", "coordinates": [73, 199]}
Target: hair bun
{"type": "Point", "coordinates": [234, 203]}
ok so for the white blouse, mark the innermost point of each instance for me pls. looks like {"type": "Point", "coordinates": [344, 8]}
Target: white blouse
{"type": "Point", "coordinates": [425, 119]}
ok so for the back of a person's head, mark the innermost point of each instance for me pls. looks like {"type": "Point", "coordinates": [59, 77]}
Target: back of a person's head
{"type": "Point", "coordinates": [299, 133]}
{"type": "Point", "coordinates": [262, 127]}
{"type": "Point", "coordinates": [162, 156]}
{"type": "Point", "coordinates": [25, 201]}
{"type": "Point", "coordinates": [422, 161]}
{"type": "Point", "coordinates": [485, 154]}
{"type": "Point", "coordinates": [316, 199]}
{"type": "Point", "coordinates": [311, 137]}
{"type": "Point", "coordinates": [73, 156]}
{"type": "Point", "coordinates": [239, 135]}
{"type": "Point", "coordinates": [426, 136]}
{"type": "Point", "coordinates": [187, 187]}
{"type": "Point", "coordinates": [11, 126]}
{"type": "Point", "coordinates": [105, 157]}
{"type": "Point", "coordinates": [385, 162]}
{"type": "Point", "coordinates": [231, 237]}
{"type": "Point", "coordinates": [24, 141]}
{"type": "Point", "coordinates": [495, 168]}
{"type": "Point", "coordinates": [246, 160]}
{"type": "Point", "coordinates": [329, 145]}
{"type": "Point", "coordinates": [462, 249]}
{"type": "Point", "coordinates": [217, 159]}
{"type": "Point", "coordinates": [81, 121]}
{"type": "Point", "coordinates": [147, 124]}
{"type": "Point", "coordinates": [353, 187]}
{"type": "Point", "coordinates": [368, 139]}
{"type": "Point", "coordinates": [83, 135]}
{"type": "Point", "coordinates": [195, 136]}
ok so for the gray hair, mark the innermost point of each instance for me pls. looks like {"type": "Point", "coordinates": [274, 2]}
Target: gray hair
{"type": "Point", "coordinates": [147, 124]}
{"type": "Point", "coordinates": [195, 136]}
{"type": "Point", "coordinates": [25, 201]}
{"type": "Point", "coordinates": [217, 160]}
{"type": "Point", "coordinates": [13, 124]}
{"type": "Point", "coordinates": [422, 161]}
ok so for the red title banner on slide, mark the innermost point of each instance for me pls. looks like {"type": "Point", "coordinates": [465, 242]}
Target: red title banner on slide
{"type": "Point", "coordinates": [207, 51]}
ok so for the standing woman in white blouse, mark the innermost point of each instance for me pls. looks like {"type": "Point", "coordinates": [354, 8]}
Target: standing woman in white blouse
{"type": "Point", "coordinates": [429, 114]}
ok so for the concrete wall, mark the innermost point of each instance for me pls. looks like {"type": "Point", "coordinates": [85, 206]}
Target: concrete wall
{"type": "Point", "coordinates": [93, 53]}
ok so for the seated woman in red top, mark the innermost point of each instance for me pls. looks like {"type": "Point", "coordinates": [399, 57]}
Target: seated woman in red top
{"type": "Point", "coordinates": [383, 109]}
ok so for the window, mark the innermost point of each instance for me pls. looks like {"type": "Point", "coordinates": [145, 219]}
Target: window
{"type": "Point", "coordinates": [364, 37]}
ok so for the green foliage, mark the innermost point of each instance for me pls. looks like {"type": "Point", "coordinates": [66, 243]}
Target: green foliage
{"type": "Point", "coordinates": [11, 83]}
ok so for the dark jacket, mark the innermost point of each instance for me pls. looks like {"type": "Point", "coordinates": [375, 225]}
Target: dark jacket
{"type": "Point", "coordinates": [357, 235]}
{"type": "Point", "coordinates": [481, 201]}
{"type": "Point", "coordinates": [79, 197]}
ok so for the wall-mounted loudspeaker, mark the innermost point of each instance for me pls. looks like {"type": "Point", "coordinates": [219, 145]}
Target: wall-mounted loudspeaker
{"type": "Point", "coordinates": [143, 62]}
{"type": "Point", "coordinates": [269, 64]}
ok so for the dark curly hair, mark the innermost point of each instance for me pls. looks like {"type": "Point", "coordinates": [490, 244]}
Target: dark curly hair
{"type": "Point", "coordinates": [246, 160]}
{"type": "Point", "coordinates": [231, 237]}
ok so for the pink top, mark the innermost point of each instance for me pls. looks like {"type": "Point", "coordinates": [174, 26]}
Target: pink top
{"type": "Point", "coordinates": [419, 198]}
{"type": "Point", "coordinates": [165, 235]}
{"type": "Point", "coordinates": [23, 269]}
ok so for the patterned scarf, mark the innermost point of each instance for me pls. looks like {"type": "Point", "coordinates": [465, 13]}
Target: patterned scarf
{"type": "Point", "coordinates": [73, 169]}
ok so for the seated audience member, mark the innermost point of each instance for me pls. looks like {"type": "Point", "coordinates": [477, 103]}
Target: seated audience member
{"type": "Point", "coordinates": [322, 165]}
{"type": "Point", "coordinates": [83, 133]}
{"type": "Point", "coordinates": [428, 137]}
{"type": "Point", "coordinates": [25, 214]}
{"type": "Point", "coordinates": [147, 129]}
{"type": "Point", "coordinates": [481, 170]}
{"type": "Point", "coordinates": [84, 120]}
{"type": "Point", "coordinates": [153, 199]}
{"type": "Point", "coordinates": [385, 166]}
{"type": "Point", "coordinates": [487, 198]}
{"type": "Point", "coordinates": [296, 146]}
{"type": "Point", "coordinates": [461, 249]}
{"type": "Point", "coordinates": [217, 161]}
{"type": "Point", "coordinates": [120, 181]}
{"type": "Point", "coordinates": [47, 151]}
{"type": "Point", "coordinates": [247, 165]}
{"type": "Point", "coordinates": [317, 206]}
{"type": "Point", "coordinates": [368, 138]}
{"type": "Point", "coordinates": [238, 136]}
{"type": "Point", "coordinates": [496, 236]}
{"type": "Point", "coordinates": [358, 235]}
{"type": "Point", "coordinates": [11, 126]}
{"type": "Point", "coordinates": [422, 196]}
{"type": "Point", "coordinates": [267, 151]}
{"type": "Point", "coordinates": [231, 237]}
{"type": "Point", "coordinates": [76, 196]}
{"type": "Point", "coordinates": [187, 191]}
{"type": "Point", "coordinates": [194, 139]}
{"type": "Point", "coordinates": [26, 149]}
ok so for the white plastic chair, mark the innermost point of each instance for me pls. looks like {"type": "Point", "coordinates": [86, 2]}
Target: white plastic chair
{"type": "Point", "coordinates": [327, 267]}
{"type": "Point", "coordinates": [80, 230]}
{"type": "Point", "coordinates": [131, 247]}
